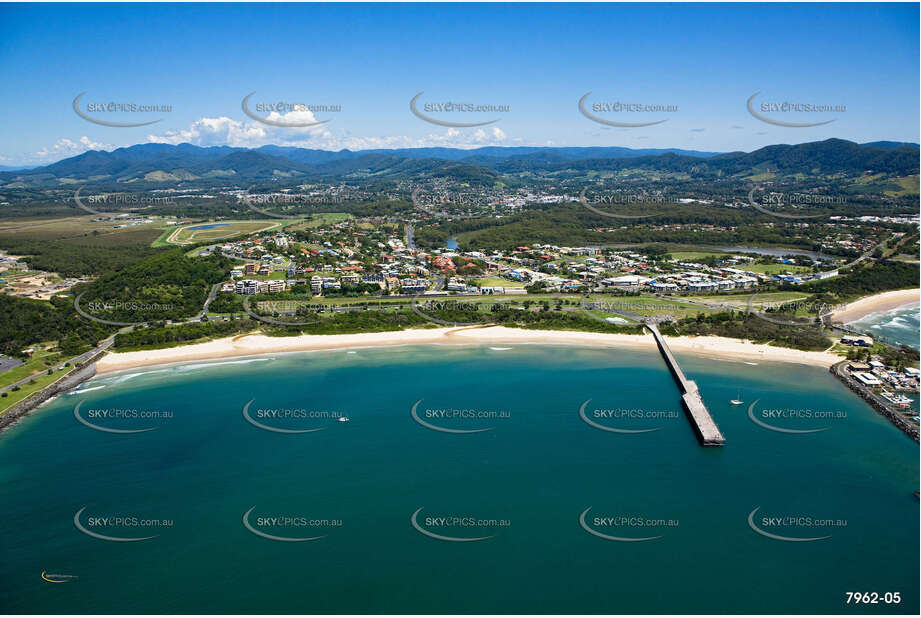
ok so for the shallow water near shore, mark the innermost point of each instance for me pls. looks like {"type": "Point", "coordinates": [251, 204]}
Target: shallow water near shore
{"type": "Point", "coordinates": [900, 325]}
{"type": "Point", "coordinates": [523, 483]}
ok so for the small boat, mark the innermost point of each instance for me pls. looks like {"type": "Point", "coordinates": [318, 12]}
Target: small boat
{"type": "Point", "coordinates": [896, 399]}
{"type": "Point", "coordinates": [738, 400]}
{"type": "Point", "coordinates": [343, 419]}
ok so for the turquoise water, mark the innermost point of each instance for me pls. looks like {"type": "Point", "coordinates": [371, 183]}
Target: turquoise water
{"type": "Point", "coordinates": [901, 325]}
{"type": "Point", "coordinates": [531, 476]}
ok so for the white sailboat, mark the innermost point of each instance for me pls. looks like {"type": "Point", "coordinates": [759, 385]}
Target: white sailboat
{"type": "Point", "coordinates": [738, 401]}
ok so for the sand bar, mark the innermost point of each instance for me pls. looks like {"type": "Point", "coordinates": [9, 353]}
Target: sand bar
{"type": "Point", "coordinates": [253, 345]}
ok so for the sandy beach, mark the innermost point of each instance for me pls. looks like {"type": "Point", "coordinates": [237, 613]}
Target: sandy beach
{"type": "Point", "coordinates": [253, 345]}
{"type": "Point", "coordinates": [874, 304]}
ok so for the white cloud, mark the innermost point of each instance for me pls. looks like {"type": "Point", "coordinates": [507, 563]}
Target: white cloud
{"type": "Point", "coordinates": [64, 148]}
{"type": "Point", "coordinates": [225, 131]}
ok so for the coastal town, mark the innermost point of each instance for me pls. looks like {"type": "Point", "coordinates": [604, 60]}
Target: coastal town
{"type": "Point", "coordinates": [461, 309]}
{"type": "Point", "coordinates": [274, 263]}
{"type": "Point", "coordinates": [337, 262]}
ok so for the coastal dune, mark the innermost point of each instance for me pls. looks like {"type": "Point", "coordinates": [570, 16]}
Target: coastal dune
{"type": "Point", "coordinates": [255, 344]}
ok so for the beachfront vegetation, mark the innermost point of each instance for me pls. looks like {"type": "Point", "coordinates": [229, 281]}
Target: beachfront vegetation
{"type": "Point", "coordinates": [25, 321]}
{"type": "Point", "coordinates": [872, 279]}
{"type": "Point", "coordinates": [167, 286]}
{"type": "Point", "coordinates": [745, 326]}
{"type": "Point", "coordinates": [168, 336]}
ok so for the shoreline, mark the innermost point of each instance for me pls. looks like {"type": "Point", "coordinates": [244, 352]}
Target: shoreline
{"type": "Point", "coordinates": [877, 303]}
{"type": "Point", "coordinates": [255, 345]}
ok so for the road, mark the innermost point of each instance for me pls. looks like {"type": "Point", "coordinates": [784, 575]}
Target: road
{"type": "Point", "coordinates": [410, 237]}
{"type": "Point", "coordinates": [104, 345]}
{"type": "Point", "coordinates": [210, 298]}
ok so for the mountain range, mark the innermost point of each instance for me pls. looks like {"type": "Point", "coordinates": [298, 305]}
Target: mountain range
{"type": "Point", "coordinates": [159, 163]}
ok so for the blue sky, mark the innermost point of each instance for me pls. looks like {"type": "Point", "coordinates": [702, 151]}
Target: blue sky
{"type": "Point", "coordinates": [539, 60]}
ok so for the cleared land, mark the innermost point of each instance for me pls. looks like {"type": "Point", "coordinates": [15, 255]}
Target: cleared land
{"type": "Point", "coordinates": [320, 220]}
{"type": "Point", "coordinates": [12, 397]}
{"type": "Point", "coordinates": [216, 230]}
{"type": "Point", "coordinates": [39, 362]}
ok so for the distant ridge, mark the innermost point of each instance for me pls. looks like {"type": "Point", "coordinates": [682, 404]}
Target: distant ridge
{"type": "Point", "coordinates": [892, 145]}
{"type": "Point", "coordinates": [168, 163]}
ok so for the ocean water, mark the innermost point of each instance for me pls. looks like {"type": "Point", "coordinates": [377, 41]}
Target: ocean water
{"type": "Point", "coordinates": [523, 484]}
{"type": "Point", "coordinates": [901, 325]}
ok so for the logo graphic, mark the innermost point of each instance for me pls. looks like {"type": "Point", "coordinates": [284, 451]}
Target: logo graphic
{"type": "Point", "coordinates": [584, 202]}
{"type": "Point", "coordinates": [276, 123]}
{"type": "Point", "coordinates": [777, 537]}
{"type": "Point", "coordinates": [414, 413]}
{"type": "Point", "coordinates": [248, 200]}
{"type": "Point", "coordinates": [107, 123]}
{"type": "Point", "coordinates": [784, 107]}
{"type": "Point", "coordinates": [448, 107]}
{"type": "Point", "coordinates": [103, 537]}
{"type": "Point", "coordinates": [262, 318]}
{"type": "Point", "coordinates": [441, 537]}
{"type": "Point", "coordinates": [252, 421]}
{"type": "Point", "coordinates": [762, 209]}
{"type": "Point", "coordinates": [105, 429]}
{"type": "Point", "coordinates": [433, 304]}
{"type": "Point", "coordinates": [612, 429]}
{"type": "Point", "coordinates": [272, 537]}
{"type": "Point", "coordinates": [612, 123]}
{"type": "Point", "coordinates": [751, 415]}
{"type": "Point", "coordinates": [58, 578]}
{"type": "Point", "coordinates": [608, 537]}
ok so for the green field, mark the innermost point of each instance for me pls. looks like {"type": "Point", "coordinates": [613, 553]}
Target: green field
{"type": "Point", "coordinates": [320, 220]}
{"type": "Point", "coordinates": [40, 382]}
{"type": "Point", "coordinates": [741, 300]}
{"type": "Point", "coordinates": [909, 186]}
{"type": "Point", "coordinates": [41, 359]}
{"type": "Point", "coordinates": [185, 235]}
{"type": "Point", "coordinates": [774, 269]}
{"type": "Point", "coordinates": [696, 255]}
{"type": "Point", "coordinates": [496, 282]}
{"type": "Point", "coordinates": [81, 230]}
{"type": "Point", "coordinates": [644, 306]}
